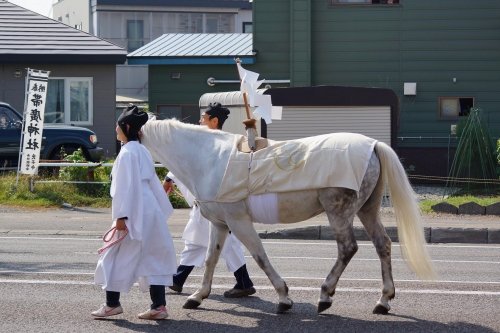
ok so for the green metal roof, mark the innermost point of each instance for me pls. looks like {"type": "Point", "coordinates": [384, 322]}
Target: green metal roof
{"type": "Point", "coordinates": [195, 49]}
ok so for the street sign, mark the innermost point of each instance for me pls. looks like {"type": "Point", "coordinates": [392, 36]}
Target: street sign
{"type": "Point", "coordinates": [34, 109]}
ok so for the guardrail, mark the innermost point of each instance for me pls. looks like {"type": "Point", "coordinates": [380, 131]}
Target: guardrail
{"type": "Point", "coordinates": [75, 164]}
{"type": "Point", "coordinates": [87, 164]}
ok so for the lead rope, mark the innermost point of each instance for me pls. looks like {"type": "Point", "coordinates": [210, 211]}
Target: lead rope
{"type": "Point", "coordinates": [250, 161]}
{"type": "Point", "coordinates": [107, 239]}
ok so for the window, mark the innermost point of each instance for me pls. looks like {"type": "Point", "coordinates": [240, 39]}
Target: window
{"type": "Point", "coordinates": [7, 119]}
{"type": "Point", "coordinates": [247, 27]}
{"type": "Point", "coordinates": [454, 107]}
{"type": "Point", "coordinates": [135, 34]}
{"type": "Point", "coordinates": [212, 24]}
{"type": "Point", "coordinates": [69, 101]}
{"type": "Point", "coordinates": [365, 2]}
{"type": "Point", "coordinates": [204, 23]}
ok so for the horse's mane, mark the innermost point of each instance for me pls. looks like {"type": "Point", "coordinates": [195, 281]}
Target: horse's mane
{"type": "Point", "coordinates": [157, 128]}
{"type": "Point", "coordinates": [197, 155]}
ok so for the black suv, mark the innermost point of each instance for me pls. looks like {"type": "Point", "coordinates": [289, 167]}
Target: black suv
{"type": "Point", "coordinates": [54, 138]}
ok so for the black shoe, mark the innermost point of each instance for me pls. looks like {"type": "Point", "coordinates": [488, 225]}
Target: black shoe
{"type": "Point", "coordinates": [237, 293]}
{"type": "Point", "coordinates": [176, 287]}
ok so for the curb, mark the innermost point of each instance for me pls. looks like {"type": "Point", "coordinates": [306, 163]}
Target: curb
{"type": "Point", "coordinates": [432, 235]}
{"type": "Point", "coordinates": [319, 232]}
{"type": "Point", "coordinates": [469, 208]}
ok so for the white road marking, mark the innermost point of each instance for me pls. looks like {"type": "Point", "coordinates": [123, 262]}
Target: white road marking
{"type": "Point", "coordinates": [376, 259]}
{"type": "Point", "coordinates": [355, 259]}
{"type": "Point", "coordinates": [368, 243]}
{"type": "Point", "coordinates": [272, 242]}
{"type": "Point", "coordinates": [53, 238]}
{"type": "Point", "coordinates": [225, 287]}
{"type": "Point", "coordinates": [262, 277]}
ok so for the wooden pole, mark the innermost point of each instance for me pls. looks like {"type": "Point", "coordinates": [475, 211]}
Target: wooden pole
{"type": "Point", "coordinates": [247, 108]}
{"type": "Point", "coordinates": [250, 122]}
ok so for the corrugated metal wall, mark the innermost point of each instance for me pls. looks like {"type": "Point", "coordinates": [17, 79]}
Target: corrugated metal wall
{"type": "Point", "coordinates": [424, 41]}
{"type": "Point", "coordinates": [299, 122]}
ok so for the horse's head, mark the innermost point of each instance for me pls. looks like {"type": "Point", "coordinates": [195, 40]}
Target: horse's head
{"type": "Point", "coordinates": [194, 153]}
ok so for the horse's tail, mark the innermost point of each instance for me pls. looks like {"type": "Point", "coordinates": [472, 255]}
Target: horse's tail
{"type": "Point", "coordinates": [407, 212]}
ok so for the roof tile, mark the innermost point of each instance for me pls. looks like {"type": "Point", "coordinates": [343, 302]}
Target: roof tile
{"type": "Point", "coordinates": [24, 34]}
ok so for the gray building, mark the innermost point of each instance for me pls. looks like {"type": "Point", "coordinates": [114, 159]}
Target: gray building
{"type": "Point", "coordinates": [82, 69]}
{"type": "Point", "coordinates": [132, 24]}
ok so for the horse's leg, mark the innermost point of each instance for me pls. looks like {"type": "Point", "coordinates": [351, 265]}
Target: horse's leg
{"type": "Point", "coordinates": [241, 225]}
{"type": "Point", "coordinates": [370, 217]}
{"type": "Point", "coordinates": [382, 243]}
{"type": "Point", "coordinates": [218, 234]}
{"type": "Point", "coordinates": [339, 206]}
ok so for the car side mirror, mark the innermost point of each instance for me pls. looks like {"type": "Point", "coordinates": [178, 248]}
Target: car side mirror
{"type": "Point", "coordinates": [18, 124]}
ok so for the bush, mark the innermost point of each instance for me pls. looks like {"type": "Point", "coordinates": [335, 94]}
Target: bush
{"type": "Point", "coordinates": [81, 186]}
{"type": "Point", "coordinates": [498, 158]}
{"type": "Point", "coordinates": [102, 174]}
{"type": "Point", "coordinates": [94, 180]}
{"type": "Point", "coordinates": [44, 194]}
{"type": "Point", "coordinates": [475, 158]}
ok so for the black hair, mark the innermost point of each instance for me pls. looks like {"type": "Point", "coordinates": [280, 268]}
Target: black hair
{"type": "Point", "coordinates": [134, 118]}
{"type": "Point", "coordinates": [215, 110]}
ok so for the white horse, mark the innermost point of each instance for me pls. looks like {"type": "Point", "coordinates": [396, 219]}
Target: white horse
{"type": "Point", "coordinates": [198, 157]}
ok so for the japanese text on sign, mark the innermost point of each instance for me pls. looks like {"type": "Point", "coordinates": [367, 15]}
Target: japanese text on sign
{"type": "Point", "coordinates": [33, 121]}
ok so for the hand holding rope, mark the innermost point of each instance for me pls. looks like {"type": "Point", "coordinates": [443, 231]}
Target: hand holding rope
{"type": "Point", "coordinates": [110, 234]}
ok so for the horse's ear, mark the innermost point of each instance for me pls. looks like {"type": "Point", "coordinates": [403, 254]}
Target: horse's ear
{"type": "Point", "coordinates": [151, 116]}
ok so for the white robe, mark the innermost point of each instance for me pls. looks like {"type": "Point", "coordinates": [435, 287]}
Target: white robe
{"type": "Point", "coordinates": [147, 254]}
{"type": "Point", "coordinates": [196, 237]}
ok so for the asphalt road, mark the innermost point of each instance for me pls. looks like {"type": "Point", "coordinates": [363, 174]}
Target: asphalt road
{"type": "Point", "coordinates": [46, 286]}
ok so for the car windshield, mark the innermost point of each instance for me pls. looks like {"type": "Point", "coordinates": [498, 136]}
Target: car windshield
{"type": "Point", "coordinates": [7, 118]}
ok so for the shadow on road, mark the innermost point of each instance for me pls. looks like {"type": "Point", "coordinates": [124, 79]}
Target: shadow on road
{"type": "Point", "coordinates": [303, 318]}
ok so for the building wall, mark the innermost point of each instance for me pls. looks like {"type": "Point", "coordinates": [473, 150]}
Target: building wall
{"type": "Point", "coordinates": [449, 48]}
{"type": "Point", "coordinates": [300, 43]}
{"type": "Point", "coordinates": [12, 91]}
{"type": "Point", "coordinates": [132, 81]}
{"type": "Point", "coordinates": [242, 17]}
{"type": "Point", "coordinates": [271, 38]}
{"type": "Point", "coordinates": [110, 23]}
{"type": "Point", "coordinates": [423, 41]}
{"type": "Point", "coordinates": [192, 83]}
{"type": "Point", "coordinates": [74, 13]}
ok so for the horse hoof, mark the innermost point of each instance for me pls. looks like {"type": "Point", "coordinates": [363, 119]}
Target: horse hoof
{"type": "Point", "coordinates": [283, 307]}
{"type": "Point", "coordinates": [191, 304]}
{"type": "Point", "coordinates": [322, 306]}
{"type": "Point", "coordinates": [380, 309]}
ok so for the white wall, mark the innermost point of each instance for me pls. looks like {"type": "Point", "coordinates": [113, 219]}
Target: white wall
{"type": "Point", "coordinates": [74, 13]}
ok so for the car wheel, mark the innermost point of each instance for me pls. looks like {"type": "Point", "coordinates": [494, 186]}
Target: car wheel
{"type": "Point", "coordinates": [57, 155]}
{"type": "Point", "coordinates": [61, 151]}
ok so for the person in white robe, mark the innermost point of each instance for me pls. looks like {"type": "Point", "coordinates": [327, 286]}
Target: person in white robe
{"type": "Point", "coordinates": [140, 209]}
{"type": "Point", "coordinates": [196, 233]}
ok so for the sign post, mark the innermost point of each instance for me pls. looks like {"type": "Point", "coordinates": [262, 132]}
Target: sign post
{"type": "Point", "coordinates": [34, 109]}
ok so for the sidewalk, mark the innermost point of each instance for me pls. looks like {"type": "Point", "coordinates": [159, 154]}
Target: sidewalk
{"type": "Point", "coordinates": [445, 228]}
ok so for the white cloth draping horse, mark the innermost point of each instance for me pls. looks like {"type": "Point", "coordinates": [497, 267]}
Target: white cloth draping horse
{"type": "Point", "coordinates": [200, 157]}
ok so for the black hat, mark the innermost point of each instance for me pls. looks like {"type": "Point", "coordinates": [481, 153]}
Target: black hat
{"type": "Point", "coordinates": [216, 110]}
{"type": "Point", "coordinates": [133, 117]}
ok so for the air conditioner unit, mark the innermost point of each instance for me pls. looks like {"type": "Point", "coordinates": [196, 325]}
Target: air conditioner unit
{"type": "Point", "coordinates": [410, 88]}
